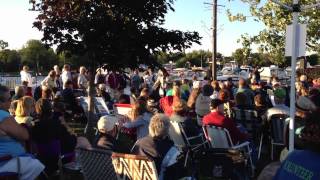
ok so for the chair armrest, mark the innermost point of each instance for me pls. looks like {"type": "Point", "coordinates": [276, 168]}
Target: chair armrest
{"type": "Point", "coordinates": [241, 145]}
{"type": "Point", "coordinates": [196, 147]}
{"type": "Point", "coordinates": [194, 137]}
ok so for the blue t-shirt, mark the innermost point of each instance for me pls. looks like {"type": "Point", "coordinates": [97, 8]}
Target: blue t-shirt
{"type": "Point", "coordinates": [8, 145]}
{"type": "Point", "coordinates": [300, 164]}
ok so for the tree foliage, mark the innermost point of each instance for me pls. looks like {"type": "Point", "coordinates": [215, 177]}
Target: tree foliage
{"type": "Point", "coordinates": [194, 58]}
{"type": "Point", "coordinates": [116, 32]}
{"type": "Point", "coordinates": [240, 56]}
{"type": "Point", "coordinates": [37, 56]}
{"type": "Point", "coordinates": [313, 59]}
{"type": "Point", "coordinates": [9, 60]}
{"type": "Point", "coordinates": [275, 18]}
{"type": "Point", "coordinates": [67, 57]}
{"type": "Point", "coordinates": [3, 44]}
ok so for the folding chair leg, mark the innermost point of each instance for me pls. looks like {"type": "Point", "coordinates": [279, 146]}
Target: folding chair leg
{"type": "Point", "coordinates": [271, 150]}
{"type": "Point", "coordinates": [186, 160]}
{"type": "Point", "coordinates": [251, 163]}
{"type": "Point", "coordinates": [260, 146]}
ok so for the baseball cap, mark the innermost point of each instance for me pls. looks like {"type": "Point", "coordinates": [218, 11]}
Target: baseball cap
{"type": "Point", "coordinates": [107, 123]}
{"type": "Point", "coordinates": [280, 93]}
{"type": "Point", "coordinates": [196, 84]}
{"type": "Point", "coordinates": [305, 104]}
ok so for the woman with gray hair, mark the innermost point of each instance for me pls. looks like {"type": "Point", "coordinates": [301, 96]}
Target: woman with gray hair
{"type": "Point", "coordinates": [157, 144]}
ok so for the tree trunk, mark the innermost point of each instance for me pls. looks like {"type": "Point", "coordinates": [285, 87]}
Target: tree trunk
{"type": "Point", "coordinates": [92, 118]}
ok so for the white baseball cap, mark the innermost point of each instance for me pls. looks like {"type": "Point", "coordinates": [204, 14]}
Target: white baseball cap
{"type": "Point", "coordinates": [196, 84]}
{"type": "Point", "coordinates": [102, 86]}
{"type": "Point", "coordinates": [107, 123]}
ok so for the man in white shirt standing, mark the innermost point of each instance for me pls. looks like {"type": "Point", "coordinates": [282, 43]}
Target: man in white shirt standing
{"type": "Point", "coordinates": [66, 74]}
{"type": "Point", "coordinates": [26, 76]}
{"type": "Point", "coordinates": [83, 82]}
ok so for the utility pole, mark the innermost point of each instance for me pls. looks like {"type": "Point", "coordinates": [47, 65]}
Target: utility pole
{"type": "Point", "coordinates": [296, 8]}
{"type": "Point", "coordinates": [214, 40]}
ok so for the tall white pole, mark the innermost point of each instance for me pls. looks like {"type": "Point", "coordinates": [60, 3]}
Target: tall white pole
{"type": "Point", "coordinates": [293, 74]}
{"type": "Point", "coordinates": [296, 9]}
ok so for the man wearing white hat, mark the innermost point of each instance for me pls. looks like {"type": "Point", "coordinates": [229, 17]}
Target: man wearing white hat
{"type": "Point", "coordinates": [108, 135]}
{"type": "Point", "coordinates": [107, 132]}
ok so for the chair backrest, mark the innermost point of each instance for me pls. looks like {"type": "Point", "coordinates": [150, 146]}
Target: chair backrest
{"type": "Point", "coordinates": [248, 118]}
{"type": "Point", "coordinates": [96, 164]}
{"type": "Point", "coordinates": [176, 135]}
{"type": "Point", "coordinates": [84, 104]}
{"type": "Point", "coordinates": [122, 109]}
{"type": "Point", "coordinates": [134, 167]}
{"type": "Point", "coordinates": [101, 106]}
{"type": "Point", "coordinates": [219, 137]}
{"type": "Point", "coordinates": [277, 122]}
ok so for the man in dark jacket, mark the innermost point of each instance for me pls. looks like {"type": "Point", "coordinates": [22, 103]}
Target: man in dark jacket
{"type": "Point", "coordinates": [68, 95]}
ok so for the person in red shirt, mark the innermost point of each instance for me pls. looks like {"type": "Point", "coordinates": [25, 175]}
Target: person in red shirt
{"type": "Point", "coordinates": [217, 118]}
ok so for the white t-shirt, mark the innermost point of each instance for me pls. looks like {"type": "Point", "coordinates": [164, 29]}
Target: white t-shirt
{"type": "Point", "coordinates": [25, 76]}
{"type": "Point", "coordinates": [49, 82]}
{"type": "Point", "coordinates": [65, 76]}
{"type": "Point", "coordinates": [82, 81]}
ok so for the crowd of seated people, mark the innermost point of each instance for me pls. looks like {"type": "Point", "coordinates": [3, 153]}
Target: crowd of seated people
{"type": "Point", "coordinates": [155, 100]}
{"type": "Point", "coordinates": [34, 132]}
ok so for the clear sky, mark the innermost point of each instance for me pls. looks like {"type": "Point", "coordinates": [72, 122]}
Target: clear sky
{"type": "Point", "coordinates": [190, 15]}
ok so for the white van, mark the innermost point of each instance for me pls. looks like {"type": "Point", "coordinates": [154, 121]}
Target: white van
{"type": "Point", "coordinates": [267, 72]}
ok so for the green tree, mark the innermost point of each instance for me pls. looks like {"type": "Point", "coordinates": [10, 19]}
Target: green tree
{"type": "Point", "coordinates": [37, 56]}
{"type": "Point", "coordinates": [120, 33]}
{"type": "Point", "coordinates": [115, 32]}
{"type": "Point", "coordinates": [196, 58]}
{"type": "Point", "coordinates": [73, 60]}
{"type": "Point", "coordinates": [3, 44]}
{"type": "Point", "coordinates": [241, 56]}
{"type": "Point", "coordinates": [165, 57]}
{"type": "Point", "coordinates": [313, 59]}
{"type": "Point", "coordinates": [272, 39]}
{"type": "Point", "coordinates": [10, 60]}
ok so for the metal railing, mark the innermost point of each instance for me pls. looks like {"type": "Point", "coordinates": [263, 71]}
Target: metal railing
{"type": "Point", "coordinates": [13, 81]}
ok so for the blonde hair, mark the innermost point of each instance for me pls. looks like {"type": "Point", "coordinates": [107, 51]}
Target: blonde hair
{"type": "Point", "coordinates": [144, 92]}
{"type": "Point", "coordinates": [24, 106]}
{"type": "Point", "coordinates": [176, 91]}
{"type": "Point", "coordinates": [138, 108]}
{"type": "Point", "coordinates": [13, 107]}
{"type": "Point", "coordinates": [159, 126]}
{"type": "Point", "coordinates": [66, 66]}
{"type": "Point", "coordinates": [25, 68]}
{"type": "Point", "coordinates": [52, 73]}
{"type": "Point", "coordinates": [19, 90]}
{"type": "Point", "coordinates": [180, 107]}
{"type": "Point", "coordinates": [82, 68]}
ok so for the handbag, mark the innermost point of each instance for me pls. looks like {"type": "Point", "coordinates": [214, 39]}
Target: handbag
{"type": "Point", "coordinates": [221, 163]}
